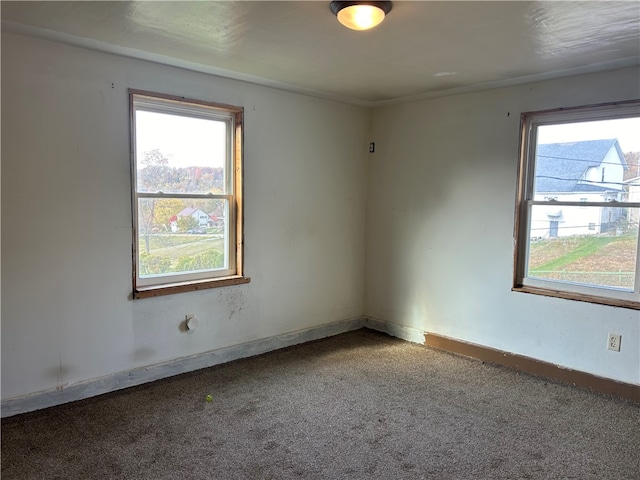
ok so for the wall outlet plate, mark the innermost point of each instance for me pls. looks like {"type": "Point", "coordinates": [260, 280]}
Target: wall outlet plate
{"type": "Point", "coordinates": [191, 321]}
{"type": "Point", "coordinates": [614, 342]}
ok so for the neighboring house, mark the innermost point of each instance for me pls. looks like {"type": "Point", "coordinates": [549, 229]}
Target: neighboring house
{"type": "Point", "coordinates": [215, 221]}
{"type": "Point", "coordinates": [584, 171]}
{"type": "Point", "coordinates": [173, 223]}
{"type": "Point", "coordinates": [633, 195]}
{"type": "Point", "coordinates": [200, 216]}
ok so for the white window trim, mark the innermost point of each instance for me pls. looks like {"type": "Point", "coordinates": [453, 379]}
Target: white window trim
{"type": "Point", "coordinates": [232, 274]}
{"type": "Point", "coordinates": [524, 201]}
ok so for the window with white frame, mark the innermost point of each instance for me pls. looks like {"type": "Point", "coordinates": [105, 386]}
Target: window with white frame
{"type": "Point", "coordinates": [578, 204]}
{"type": "Point", "coordinates": [187, 194]}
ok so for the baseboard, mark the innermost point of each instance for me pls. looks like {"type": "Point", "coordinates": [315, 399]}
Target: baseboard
{"type": "Point", "coordinates": [395, 330]}
{"type": "Point", "coordinates": [535, 367]}
{"type": "Point", "coordinates": [138, 376]}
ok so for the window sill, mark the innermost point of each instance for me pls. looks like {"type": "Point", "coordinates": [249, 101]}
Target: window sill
{"type": "Point", "coordinates": [578, 296]}
{"type": "Point", "coordinates": [170, 289]}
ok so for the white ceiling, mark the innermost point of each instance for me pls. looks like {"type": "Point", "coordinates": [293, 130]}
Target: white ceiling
{"type": "Point", "coordinates": [422, 49]}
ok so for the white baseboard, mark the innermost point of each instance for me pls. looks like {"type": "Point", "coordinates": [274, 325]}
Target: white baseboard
{"type": "Point", "coordinates": [138, 376]}
{"type": "Point", "coordinates": [395, 330]}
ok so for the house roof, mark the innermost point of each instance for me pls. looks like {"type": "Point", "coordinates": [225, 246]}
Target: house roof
{"type": "Point", "coordinates": [560, 167]}
{"type": "Point", "coordinates": [187, 211]}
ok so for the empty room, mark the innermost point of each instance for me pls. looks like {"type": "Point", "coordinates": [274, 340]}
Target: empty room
{"type": "Point", "coordinates": [320, 240]}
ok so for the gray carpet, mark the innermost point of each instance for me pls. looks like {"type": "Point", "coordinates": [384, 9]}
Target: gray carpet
{"type": "Point", "coordinates": [360, 405]}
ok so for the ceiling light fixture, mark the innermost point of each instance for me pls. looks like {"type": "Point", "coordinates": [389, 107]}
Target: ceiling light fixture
{"type": "Point", "coordinates": [360, 15]}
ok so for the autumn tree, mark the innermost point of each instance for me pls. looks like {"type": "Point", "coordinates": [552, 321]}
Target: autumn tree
{"type": "Point", "coordinates": [165, 208]}
{"type": "Point", "coordinates": [187, 223]}
{"type": "Point", "coordinates": [633, 162]}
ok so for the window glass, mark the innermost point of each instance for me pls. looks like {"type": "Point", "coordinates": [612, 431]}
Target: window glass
{"type": "Point", "coordinates": [180, 154]}
{"type": "Point", "coordinates": [579, 202]}
{"type": "Point", "coordinates": [186, 189]}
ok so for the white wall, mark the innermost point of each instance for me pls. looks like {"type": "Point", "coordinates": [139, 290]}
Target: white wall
{"type": "Point", "coordinates": [440, 228]}
{"type": "Point", "coordinates": [67, 316]}
{"type": "Point", "coordinates": [443, 168]}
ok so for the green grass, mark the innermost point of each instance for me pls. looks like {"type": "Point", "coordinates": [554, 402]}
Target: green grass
{"type": "Point", "coordinates": [584, 247]}
{"type": "Point", "coordinates": [157, 242]}
{"type": "Point", "coordinates": [174, 246]}
{"type": "Point", "coordinates": [591, 260]}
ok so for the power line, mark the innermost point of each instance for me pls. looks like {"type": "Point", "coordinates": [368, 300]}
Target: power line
{"type": "Point", "coordinates": [584, 182]}
{"type": "Point", "coordinates": [560, 228]}
{"type": "Point", "coordinates": [584, 160]}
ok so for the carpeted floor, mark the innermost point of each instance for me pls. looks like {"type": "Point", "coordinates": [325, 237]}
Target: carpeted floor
{"type": "Point", "coordinates": [360, 405]}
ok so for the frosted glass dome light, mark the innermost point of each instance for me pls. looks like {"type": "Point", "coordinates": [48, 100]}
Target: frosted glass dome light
{"type": "Point", "coordinates": [360, 15]}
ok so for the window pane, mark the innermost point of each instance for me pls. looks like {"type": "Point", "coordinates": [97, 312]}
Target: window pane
{"type": "Point", "coordinates": [179, 236]}
{"type": "Point", "coordinates": [586, 161]}
{"type": "Point", "coordinates": [178, 154]}
{"type": "Point", "coordinates": [586, 245]}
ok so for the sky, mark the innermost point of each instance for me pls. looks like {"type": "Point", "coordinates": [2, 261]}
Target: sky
{"type": "Point", "coordinates": [626, 130]}
{"type": "Point", "coordinates": [185, 141]}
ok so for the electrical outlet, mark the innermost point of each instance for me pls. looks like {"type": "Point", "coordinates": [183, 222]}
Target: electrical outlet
{"type": "Point", "coordinates": [614, 342]}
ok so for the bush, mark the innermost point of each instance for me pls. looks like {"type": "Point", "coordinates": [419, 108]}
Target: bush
{"type": "Point", "coordinates": [153, 264]}
{"type": "Point", "coordinates": [204, 261]}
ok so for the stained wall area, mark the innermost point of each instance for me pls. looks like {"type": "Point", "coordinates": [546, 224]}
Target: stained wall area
{"type": "Point", "coordinates": [440, 223]}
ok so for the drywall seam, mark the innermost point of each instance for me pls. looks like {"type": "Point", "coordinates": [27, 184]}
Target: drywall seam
{"type": "Point", "coordinates": [138, 376]}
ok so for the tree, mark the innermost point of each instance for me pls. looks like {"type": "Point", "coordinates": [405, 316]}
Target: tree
{"type": "Point", "coordinates": [633, 161]}
{"type": "Point", "coordinates": [165, 208]}
{"type": "Point", "coordinates": [150, 179]}
{"type": "Point", "coordinates": [187, 223]}
{"type": "Point", "coordinates": [146, 212]}
{"type": "Point", "coordinates": [154, 176]}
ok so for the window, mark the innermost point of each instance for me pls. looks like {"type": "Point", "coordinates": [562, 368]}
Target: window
{"type": "Point", "coordinates": [187, 194]}
{"type": "Point", "coordinates": [577, 228]}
